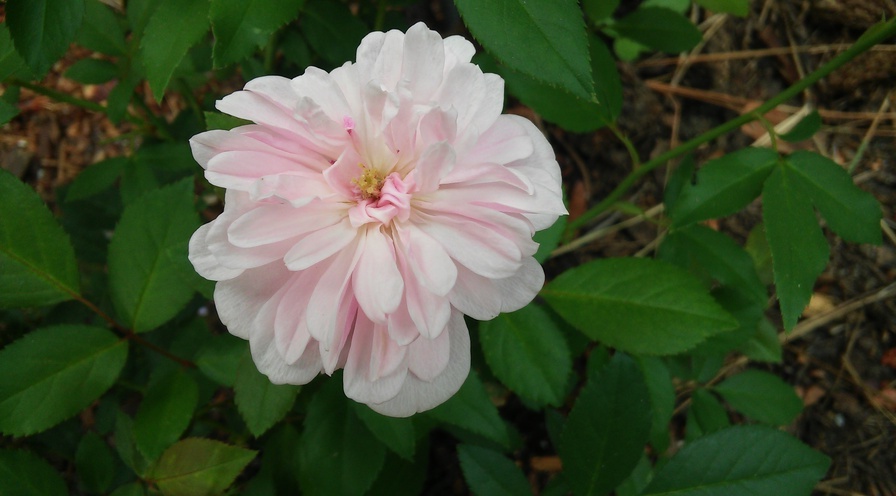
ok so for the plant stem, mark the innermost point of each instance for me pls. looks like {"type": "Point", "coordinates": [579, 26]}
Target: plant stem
{"type": "Point", "coordinates": [380, 15]}
{"type": "Point", "coordinates": [66, 98]}
{"type": "Point", "coordinates": [128, 333]}
{"type": "Point", "coordinates": [871, 37]}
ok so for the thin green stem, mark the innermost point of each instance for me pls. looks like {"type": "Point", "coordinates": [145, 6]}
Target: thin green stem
{"type": "Point", "coordinates": [157, 122]}
{"type": "Point", "coordinates": [636, 159]}
{"type": "Point", "coordinates": [128, 333]}
{"type": "Point", "coordinates": [872, 37]}
{"type": "Point", "coordinates": [380, 20]}
{"type": "Point", "coordinates": [71, 100]}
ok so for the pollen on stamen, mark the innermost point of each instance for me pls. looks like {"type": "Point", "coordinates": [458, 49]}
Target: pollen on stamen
{"type": "Point", "coordinates": [369, 183]}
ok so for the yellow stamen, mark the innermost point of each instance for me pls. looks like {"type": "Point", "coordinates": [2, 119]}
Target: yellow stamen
{"type": "Point", "coordinates": [369, 182]}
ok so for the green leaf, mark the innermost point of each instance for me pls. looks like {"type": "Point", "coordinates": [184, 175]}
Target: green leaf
{"type": "Point", "coordinates": [11, 64]}
{"type": "Point", "coordinates": [705, 415]}
{"type": "Point", "coordinates": [662, 399]}
{"type": "Point", "coordinates": [607, 428]}
{"type": "Point", "coordinates": [544, 39]}
{"type": "Point", "coordinates": [764, 346]}
{"type": "Point", "coordinates": [42, 29]}
{"type": "Point", "coordinates": [53, 373]}
{"type": "Point", "coordinates": [37, 262]}
{"type": "Point", "coordinates": [598, 10]}
{"type": "Point", "coordinates": [197, 466]}
{"type": "Point", "coordinates": [92, 71]}
{"type": "Point", "coordinates": [220, 358]}
{"type": "Point", "coordinates": [332, 30]}
{"type": "Point", "coordinates": [125, 444]}
{"type": "Point", "coordinates": [526, 350]}
{"type": "Point", "coordinates": [757, 247]}
{"type": "Point", "coordinates": [145, 256]}
{"type": "Point", "coordinates": [217, 120]}
{"type": "Point", "coordinates": [637, 305]}
{"type": "Point", "coordinates": [165, 412]}
{"type": "Point", "coordinates": [338, 455]}
{"type": "Point", "coordinates": [490, 473]}
{"type": "Point", "coordinates": [95, 463]}
{"type": "Point", "coordinates": [851, 212]}
{"type": "Point", "coordinates": [96, 179]}
{"type": "Point", "coordinates": [101, 31]}
{"type": "Point", "coordinates": [762, 396]}
{"type": "Point", "coordinates": [139, 12]}
{"type": "Point", "coordinates": [400, 477]}
{"type": "Point", "coordinates": [637, 480]}
{"type": "Point", "coordinates": [570, 111]}
{"type": "Point", "coordinates": [741, 461]}
{"type": "Point", "coordinates": [659, 28]}
{"type": "Point", "coordinates": [260, 403]}
{"type": "Point", "coordinates": [9, 107]}
{"type": "Point", "coordinates": [548, 239]}
{"type": "Point", "coordinates": [799, 249]}
{"type": "Point", "coordinates": [241, 26]}
{"type": "Point", "coordinates": [472, 409]}
{"type": "Point", "coordinates": [739, 8]}
{"type": "Point", "coordinates": [25, 474]}
{"type": "Point", "coordinates": [745, 310]}
{"type": "Point", "coordinates": [131, 489]}
{"type": "Point", "coordinates": [804, 129]}
{"type": "Point", "coordinates": [724, 186]}
{"type": "Point", "coordinates": [680, 6]}
{"type": "Point", "coordinates": [701, 249]}
{"type": "Point", "coordinates": [396, 433]}
{"type": "Point", "coordinates": [683, 174]}
{"type": "Point", "coordinates": [173, 28]}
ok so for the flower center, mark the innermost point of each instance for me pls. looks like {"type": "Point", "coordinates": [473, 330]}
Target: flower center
{"type": "Point", "coordinates": [370, 182]}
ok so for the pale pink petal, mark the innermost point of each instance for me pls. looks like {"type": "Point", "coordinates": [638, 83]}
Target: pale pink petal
{"type": "Point", "coordinates": [239, 300]}
{"type": "Point", "coordinates": [457, 51]}
{"type": "Point", "coordinates": [380, 55]}
{"type": "Point", "coordinates": [427, 358]}
{"type": "Point", "coordinates": [376, 281]}
{"type": "Point", "coordinates": [376, 367]}
{"type": "Point", "coordinates": [417, 395]}
{"type": "Point", "coordinates": [429, 261]}
{"type": "Point", "coordinates": [268, 357]}
{"type": "Point", "coordinates": [320, 87]}
{"type": "Point", "coordinates": [474, 245]}
{"type": "Point", "coordinates": [272, 223]}
{"type": "Point", "coordinates": [204, 261]}
{"type": "Point", "coordinates": [505, 141]}
{"type": "Point", "coordinates": [437, 161]}
{"type": "Point", "coordinates": [483, 298]}
{"type": "Point", "coordinates": [320, 245]}
{"type": "Point", "coordinates": [327, 314]}
{"type": "Point", "coordinates": [424, 61]}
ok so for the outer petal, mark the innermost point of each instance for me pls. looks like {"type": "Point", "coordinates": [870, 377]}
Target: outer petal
{"type": "Point", "coordinates": [483, 298]}
{"type": "Point", "coordinates": [376, 367]}
{"type": "Point", "coordinates": [240, 299]}
{"type": "Point", "coordinates": [204, 260]}
{"type": "Point", "coordinates": [417, 395]}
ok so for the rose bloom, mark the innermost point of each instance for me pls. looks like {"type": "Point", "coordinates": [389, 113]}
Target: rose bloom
{"type": "Point", "coordinates": [367, 210]}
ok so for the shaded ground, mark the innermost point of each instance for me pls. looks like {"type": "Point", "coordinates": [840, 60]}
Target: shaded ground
{"type": "Point", "coordinates": [842, 358]}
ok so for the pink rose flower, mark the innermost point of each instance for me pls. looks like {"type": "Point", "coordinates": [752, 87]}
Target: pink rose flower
{"type": "Point", "coordinates": [367, 210]}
